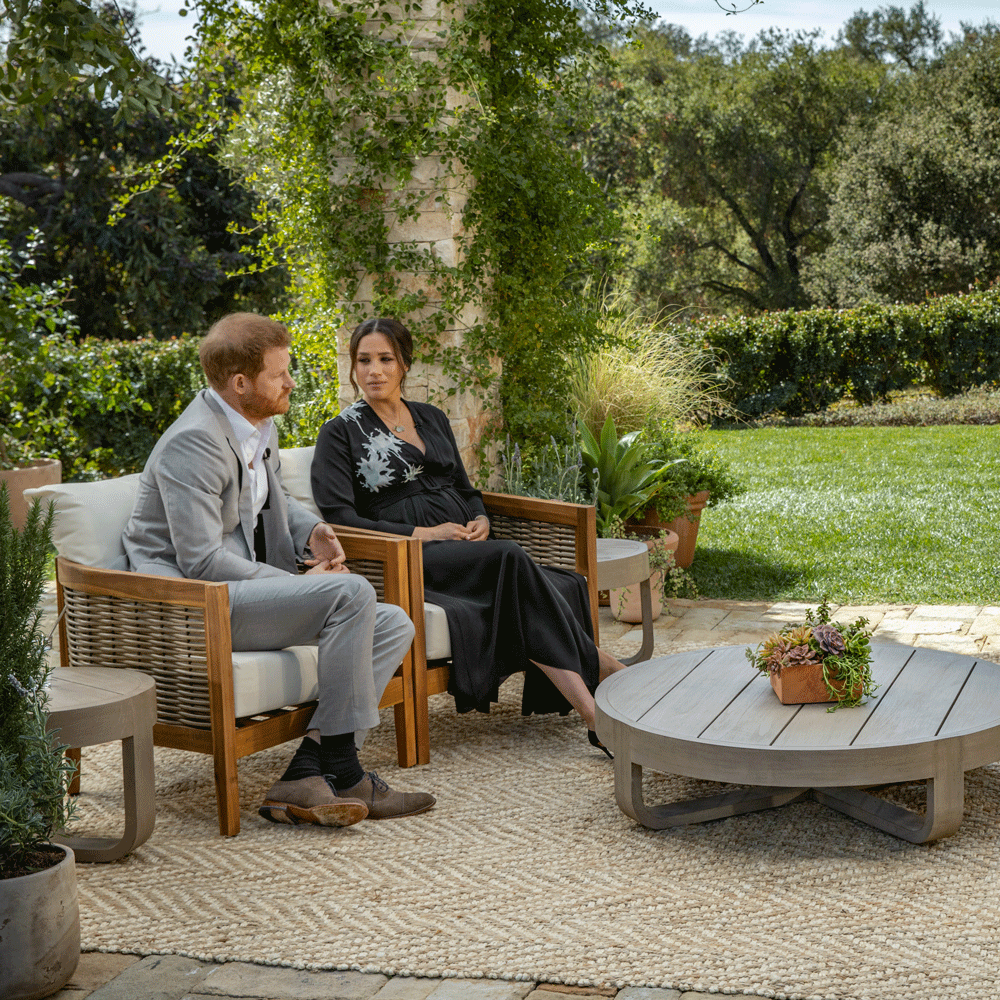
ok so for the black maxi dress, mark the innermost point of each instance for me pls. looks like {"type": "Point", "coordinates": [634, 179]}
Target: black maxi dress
{"type": "Point", "coordinates": [503, 609]}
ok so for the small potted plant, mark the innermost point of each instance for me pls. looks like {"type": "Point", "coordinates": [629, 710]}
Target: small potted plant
{"type": "Point", "coordinates": [692, 478]}
{"type": "Point", "coordinates": [666, 580]}
{"type": "Point", "coordinates": [818, 660]}
{"type": "Point", "coordinates": [39, 912]}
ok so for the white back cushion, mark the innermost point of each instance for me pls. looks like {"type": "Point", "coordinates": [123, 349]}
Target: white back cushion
{"type": "Point", "coordinates": [90, 519]}
{"type": "Point", "coordinates": [296, 471]}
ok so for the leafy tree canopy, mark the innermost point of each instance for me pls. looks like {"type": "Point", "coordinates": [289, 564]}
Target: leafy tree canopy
{"type": "Point", "coordinates": [54, 47]}
{"type": "Point", "coordinates": [170, 263]}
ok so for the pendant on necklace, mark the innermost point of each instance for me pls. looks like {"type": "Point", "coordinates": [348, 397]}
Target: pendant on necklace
{"type": "Point", "coordinates": [399, 428]}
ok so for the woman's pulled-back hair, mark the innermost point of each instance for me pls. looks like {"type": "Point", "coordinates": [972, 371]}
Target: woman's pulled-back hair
{"type": "Point", "coordinates": [397, 335]}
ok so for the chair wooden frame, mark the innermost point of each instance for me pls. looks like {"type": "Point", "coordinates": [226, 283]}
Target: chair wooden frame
{"type": "Point", "coordinates": [552, 532]}
{"type": "Point", "coordinates": [179, 631]}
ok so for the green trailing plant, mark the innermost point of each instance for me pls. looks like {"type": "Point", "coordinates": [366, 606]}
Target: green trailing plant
{"type": "Point", "coordinates": [843, 651]}
{"type": "Point", "coordinates": [357, 119]}
{"type": "Point", "coordinates": [34, 773]}
{"type": "Point", "coordinates": [625, 480]}
{"type": "Point", "coordinates": [687, 468]}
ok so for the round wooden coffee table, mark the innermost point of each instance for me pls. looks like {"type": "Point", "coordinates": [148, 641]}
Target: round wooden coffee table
{"type": "Point", "coordinates": [92, 705]}
{"type": "Point", "coordinates": [708, 714]}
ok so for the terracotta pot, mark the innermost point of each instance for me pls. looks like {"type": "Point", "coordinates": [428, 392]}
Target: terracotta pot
{"type": "Point", "coordinates": [626, 603]}
{"type": "Point", "coordinates": [686, 527]}
{"type": "Point", "coordinates": [40, 917]}
{"type": "Point", "coordinates": [28, 477]}
{"type": "Point", "coordinates": [803, 684]}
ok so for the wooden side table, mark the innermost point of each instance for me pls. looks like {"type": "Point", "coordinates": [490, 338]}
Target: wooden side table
{"type": "Point", "coordinates": [92, 705]}
{"type": "Point", "coordinates": [624, 563]}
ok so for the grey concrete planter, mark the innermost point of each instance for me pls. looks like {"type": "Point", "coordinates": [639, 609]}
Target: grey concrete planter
{"type": "Point", "coordinates": [39, 930]}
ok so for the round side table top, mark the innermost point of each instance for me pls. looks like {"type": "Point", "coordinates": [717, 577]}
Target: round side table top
{"type": "Point", "coordinates": [621, 562]}
{"type": "Point", "coordinates": [81, 689]}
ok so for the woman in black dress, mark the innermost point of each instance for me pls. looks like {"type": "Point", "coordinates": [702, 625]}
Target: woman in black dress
{"type": "Point", "coordinates": [391, 465]}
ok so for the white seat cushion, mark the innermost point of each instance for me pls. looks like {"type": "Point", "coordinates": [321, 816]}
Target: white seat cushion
{"type": "Point", "coordinates": [268, 679]}
{"type": "Point", "coordinates": [436, 632]}
{"type": "Point", "coordinates": [90, 519]}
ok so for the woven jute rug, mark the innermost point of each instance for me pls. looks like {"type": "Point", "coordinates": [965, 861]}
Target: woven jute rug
{"type": "Point", "coordinates": [526, 869]}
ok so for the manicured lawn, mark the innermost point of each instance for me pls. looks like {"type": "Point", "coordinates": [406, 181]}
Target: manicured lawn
{"type": "Point", "coordinates": [862, 514]}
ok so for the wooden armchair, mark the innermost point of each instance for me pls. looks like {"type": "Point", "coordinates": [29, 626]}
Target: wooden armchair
{"type": "Point", "coordinates": [553, 533]}
{"type": "Point", "coordinates": [209, 699]}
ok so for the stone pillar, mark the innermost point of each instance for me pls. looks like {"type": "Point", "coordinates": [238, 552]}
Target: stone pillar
{"type": "Point", "coordinates": [438, 230]}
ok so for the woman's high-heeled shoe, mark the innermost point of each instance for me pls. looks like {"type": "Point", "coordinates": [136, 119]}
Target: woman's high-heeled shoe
{"type": "Point", "coordinates": [595, 742]}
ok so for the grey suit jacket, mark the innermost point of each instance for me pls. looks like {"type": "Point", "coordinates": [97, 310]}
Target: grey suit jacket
{"type": "Point", "coordinates": [193, 516]}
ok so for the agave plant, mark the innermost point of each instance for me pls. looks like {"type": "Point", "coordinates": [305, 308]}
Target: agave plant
{"type": "Point", "coordinates": [625, 481]}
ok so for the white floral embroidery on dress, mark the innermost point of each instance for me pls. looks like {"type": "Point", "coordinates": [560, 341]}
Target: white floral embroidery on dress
{"type": "Point", "coordinates": [380, 443]}
{"type": "Point", "coordinates": [353, 412]}
{"type": "Point", "coordinates": [412, 472]}
{"type": "Point", "coordinates": [375, 472]}
{"type": "Point", "coordinates": [376, 468]}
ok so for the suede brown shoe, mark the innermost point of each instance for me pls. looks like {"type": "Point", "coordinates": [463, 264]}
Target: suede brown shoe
{"type": "Point", "coordinates": [383, 802]}
{"type": "Point", "coordinates": [311, 800]}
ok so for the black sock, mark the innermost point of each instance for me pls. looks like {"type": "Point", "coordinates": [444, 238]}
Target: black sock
{"type": "Point", "coordinates": [339, 757]}
{"type": "Point", "coordinates": [305, 763]}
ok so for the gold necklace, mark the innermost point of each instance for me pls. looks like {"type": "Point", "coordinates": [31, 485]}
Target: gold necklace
{"type": "Point", "coordinates": [398, 428]}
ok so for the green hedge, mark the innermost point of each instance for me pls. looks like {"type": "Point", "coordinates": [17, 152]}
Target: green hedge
{"type": "Point", "coordinates": [801, 362]}
{"type": "Point", "coordinates": [100, 405]}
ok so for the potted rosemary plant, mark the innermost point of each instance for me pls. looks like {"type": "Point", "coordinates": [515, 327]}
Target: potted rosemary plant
{"type": "Point", "coordinates": [39, 913]}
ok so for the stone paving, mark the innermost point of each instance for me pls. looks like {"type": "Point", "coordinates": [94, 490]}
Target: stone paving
{"type": "Point", "coordinates": [970, 629]}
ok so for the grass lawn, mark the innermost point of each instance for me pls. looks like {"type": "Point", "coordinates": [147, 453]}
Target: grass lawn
{"type": "Point", "coordinates": [862, 514]}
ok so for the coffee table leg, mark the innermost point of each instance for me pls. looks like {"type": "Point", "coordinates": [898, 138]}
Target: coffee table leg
{"type": "Point", "coordinates": [945, 806]}
{"type": "Point", "coordinates": [628, 793]}
{"type": "Point", "coordinates": [646, 604]}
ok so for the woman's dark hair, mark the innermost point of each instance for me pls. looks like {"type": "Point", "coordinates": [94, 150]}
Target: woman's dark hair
{"type": "Point", "coordinates": [397, 335]}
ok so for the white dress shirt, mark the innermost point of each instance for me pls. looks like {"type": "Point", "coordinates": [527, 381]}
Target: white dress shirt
{"type": "Point", "coordinates": [253, 439]}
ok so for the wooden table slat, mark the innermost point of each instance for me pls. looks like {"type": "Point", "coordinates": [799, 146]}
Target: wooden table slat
{"type": "Point", "coordinates": [755, 717]}
{"type": "Point", "coordinates": [691, 705]}
{"type": "Point", "coordinates": [979, 697]}
{"type": "Point", "coordinates": [918, 701]}
{"type": "Point", "coordinates": [634, 695]}
{"type": "Point", "coordinates": [814, 726]}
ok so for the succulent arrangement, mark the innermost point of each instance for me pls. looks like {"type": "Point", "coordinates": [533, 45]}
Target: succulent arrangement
{"type": "Point", "coordinates": [843, 652]}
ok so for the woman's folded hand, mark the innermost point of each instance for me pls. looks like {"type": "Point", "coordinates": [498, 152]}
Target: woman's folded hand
{"type": "Point", "coordinates": [440, 532]}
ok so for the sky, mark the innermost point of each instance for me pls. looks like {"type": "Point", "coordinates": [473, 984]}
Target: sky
{"type": "Point", "coordinates": [163, 30]}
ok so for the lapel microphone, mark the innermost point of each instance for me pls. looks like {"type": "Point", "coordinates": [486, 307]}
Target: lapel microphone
{"type": "Point", "coordinates": [267, 454]}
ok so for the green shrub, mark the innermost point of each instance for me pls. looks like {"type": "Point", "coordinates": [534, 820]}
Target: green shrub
{"type": "Point", "coordinates": [100, 405]}
{"type": "Point", "coordinates": [801, 362]}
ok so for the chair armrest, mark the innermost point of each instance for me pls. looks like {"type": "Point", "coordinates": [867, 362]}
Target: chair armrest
{"type": "Point", "coordinates": [535, 509]}
{"type": "Point", "coordinates": [382, 559]}
{"type": "Point", "coordinates": [135, 586]}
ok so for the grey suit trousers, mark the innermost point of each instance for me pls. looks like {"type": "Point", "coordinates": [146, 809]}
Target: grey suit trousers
{"type": "Point", "coordinates": [361, 642]}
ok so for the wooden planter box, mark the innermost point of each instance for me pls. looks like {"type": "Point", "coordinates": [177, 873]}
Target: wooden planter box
{"type": "Point", "coordinates": [803, 684]}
